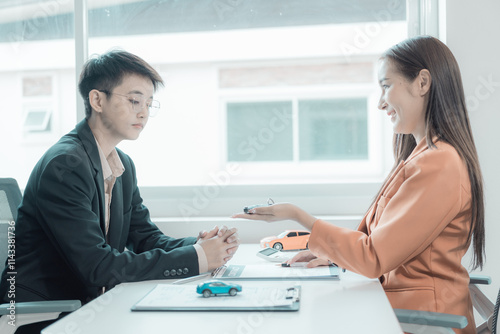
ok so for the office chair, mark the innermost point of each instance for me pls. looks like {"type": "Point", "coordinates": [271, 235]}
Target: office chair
{"type": "Point", "coordinates": [495, 315]}
{"type": "Point", "coordinates": [25, 312]}
{"type": "Point", "coordinates": [439, 323]}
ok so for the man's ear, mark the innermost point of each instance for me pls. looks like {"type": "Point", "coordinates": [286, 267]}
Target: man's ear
{"type": "Point", "coordinates": [95, 99]}
{"type": "Point", "coordinates": [424, 81]}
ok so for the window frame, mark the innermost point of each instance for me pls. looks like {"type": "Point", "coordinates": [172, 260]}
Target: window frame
{"type": "Point", "coordinates": [37, 108]}
{"type": "Point", "coordinates": [48, 102]}
{"type": "Point", "coordinates": [270, 172]}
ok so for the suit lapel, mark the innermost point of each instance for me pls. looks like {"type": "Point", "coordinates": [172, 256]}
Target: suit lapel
{"type": "Point", "coordinates": [370, 216]}
{"type": "Point", "coordinates": [90, 146]}
{"type": "Point", "coordinates": [389, 181]}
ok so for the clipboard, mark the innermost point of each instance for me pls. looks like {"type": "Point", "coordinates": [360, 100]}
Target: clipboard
{"type": "Point", "coordinates": [168, 297]}
{"type": "Point", "coordinates": [272, 271]}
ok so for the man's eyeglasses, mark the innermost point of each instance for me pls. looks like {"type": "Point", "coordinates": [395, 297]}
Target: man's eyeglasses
{"type": "Point", "coordinates": [139, 102]}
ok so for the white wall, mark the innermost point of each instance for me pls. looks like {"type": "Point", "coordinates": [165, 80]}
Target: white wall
{"type": "Point", "coordinates": [472, 29]}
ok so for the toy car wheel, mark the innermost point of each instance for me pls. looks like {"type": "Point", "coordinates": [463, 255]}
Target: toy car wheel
{"type": "Point", "coordinates": [278, 246]}
{"type": "Point", "coordinates": [207, 293]}
{"type": "Point", "coordinates": [233, 292]}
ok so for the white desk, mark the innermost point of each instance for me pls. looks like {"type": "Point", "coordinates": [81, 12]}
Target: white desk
{"type": "Point", "coordinates": [353, 304]}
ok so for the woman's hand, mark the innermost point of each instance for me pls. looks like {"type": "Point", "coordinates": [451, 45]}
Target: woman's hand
{"type": "Point", "coordinates": [271, 213]}
{"type": "Point", "coordinates": [277, 212]}
{"type": "Point", "coordinates": [308, 256]}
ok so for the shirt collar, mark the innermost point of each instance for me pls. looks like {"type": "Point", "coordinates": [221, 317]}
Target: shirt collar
{"type": "Point", "coordinates": [112, 164]}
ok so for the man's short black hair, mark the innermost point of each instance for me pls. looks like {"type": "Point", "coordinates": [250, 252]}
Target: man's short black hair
{"type": "Point", "coordinates": [105, 72]}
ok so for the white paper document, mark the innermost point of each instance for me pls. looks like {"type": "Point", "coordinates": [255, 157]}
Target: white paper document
{"type": "Point", "coordinates": [273, 271]}
{"type": "Point", "coordinates": [168, 297]}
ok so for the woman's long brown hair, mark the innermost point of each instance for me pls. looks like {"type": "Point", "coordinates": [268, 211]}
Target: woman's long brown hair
{"type": "Point", "coordinates": [446, 118]}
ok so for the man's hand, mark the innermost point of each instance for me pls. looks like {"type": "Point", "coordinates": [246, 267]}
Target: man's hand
{"type": "Point", "coordinates": [219, 245]}
{"type": "Point", "coordinates": [207, 235]}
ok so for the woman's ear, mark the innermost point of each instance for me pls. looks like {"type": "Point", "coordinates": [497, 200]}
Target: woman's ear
{"type": "Point", "coordinates": [424, 80]}
{"type": "Point", "coordinates": [95, 100]}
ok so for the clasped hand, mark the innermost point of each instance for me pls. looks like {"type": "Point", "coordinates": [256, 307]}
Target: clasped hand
{"type": "Point", "coordinates": [219, 245]}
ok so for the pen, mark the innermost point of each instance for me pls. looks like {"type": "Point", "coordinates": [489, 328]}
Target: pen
{"type": "Point", "coordinates": [295, 264]}
{"type": "Point", "coordinates": [193, 278]}
{"type": "Point", "coordinates": [247, 209]}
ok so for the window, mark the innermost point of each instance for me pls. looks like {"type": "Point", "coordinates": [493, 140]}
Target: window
{"type": "Point", "coordinates": [333, 129]}
{"type": "Point", "coordinates": [37, 81]}
{"type": "Point", "coordinates": [261, 98]}
{"type": "Point", "coordinates": [37, 94]}
{"type": "Point", "coordinates": [247, 84]}
{"type": "Point", "coordinates": [37, 120]}
{"type": "Point", "coordinates": [260, 131]}
{"type": "Point", "coordinates": [328, 129]}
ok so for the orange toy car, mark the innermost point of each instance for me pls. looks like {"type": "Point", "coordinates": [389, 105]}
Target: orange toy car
{"type": "Point", "coordinates": [287, 240]}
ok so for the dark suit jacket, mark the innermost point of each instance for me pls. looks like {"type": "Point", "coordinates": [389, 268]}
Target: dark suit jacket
{"type": "Point", "coordinates": [61, 249]}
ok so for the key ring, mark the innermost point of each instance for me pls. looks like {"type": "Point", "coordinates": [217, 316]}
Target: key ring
{"type": "Point", "coordinates": [270, 201]}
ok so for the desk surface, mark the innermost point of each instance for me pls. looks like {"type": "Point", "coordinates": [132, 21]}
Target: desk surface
{"type": "Point", "coordinates": [353, 304]}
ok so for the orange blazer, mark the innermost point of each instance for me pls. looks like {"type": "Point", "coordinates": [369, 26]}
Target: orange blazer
{"type": "Point", "coordinates": [409, 238]}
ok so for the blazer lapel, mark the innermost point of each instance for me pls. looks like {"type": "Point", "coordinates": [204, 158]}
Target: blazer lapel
{"type": "Point", "coordinates": [90, 146]}
{"type": "Point", "coordinates": [370, 216]}
{"type": "Point", "coordinates": [389, 181]}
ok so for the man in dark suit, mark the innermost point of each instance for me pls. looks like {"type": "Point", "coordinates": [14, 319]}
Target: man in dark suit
{"type": "Point", "coordinates": [82, 226]}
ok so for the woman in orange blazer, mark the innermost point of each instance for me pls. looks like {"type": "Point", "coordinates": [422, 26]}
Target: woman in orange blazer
{"type": "Point", "coordinates": [430, 208]}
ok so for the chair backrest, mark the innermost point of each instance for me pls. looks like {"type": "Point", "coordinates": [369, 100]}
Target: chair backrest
{"type": "Point", "coordinates": [10, 198]}
{"type": "Point", "coordinates": [495, 314]}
